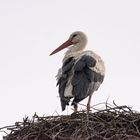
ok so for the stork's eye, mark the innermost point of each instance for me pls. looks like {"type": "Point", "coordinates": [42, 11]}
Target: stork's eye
{"type": "Point", "coordinates": [74, 35]}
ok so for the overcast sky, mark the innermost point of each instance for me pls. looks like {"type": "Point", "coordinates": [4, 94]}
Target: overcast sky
{"type": "Point", "coordinates": [31, 29]}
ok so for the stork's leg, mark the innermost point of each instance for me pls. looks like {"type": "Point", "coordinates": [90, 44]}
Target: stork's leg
{"type": "Point", "coordinates": [75, 107]}
{"type": "Point", "coordinates": [89, 102]}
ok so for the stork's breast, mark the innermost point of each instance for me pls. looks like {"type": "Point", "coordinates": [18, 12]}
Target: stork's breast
{"type": "Point", "coordinates": [68, 88]}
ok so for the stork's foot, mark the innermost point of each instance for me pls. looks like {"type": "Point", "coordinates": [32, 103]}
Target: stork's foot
{"type": "Point", "coordinates": [74, 110]}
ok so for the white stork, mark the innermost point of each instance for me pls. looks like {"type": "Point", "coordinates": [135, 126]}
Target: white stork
{"type": "Point", "coordinates": [82, 72]}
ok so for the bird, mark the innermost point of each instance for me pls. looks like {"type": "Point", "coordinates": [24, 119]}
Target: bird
{"type": "Point", "coordinates": [81, 74]}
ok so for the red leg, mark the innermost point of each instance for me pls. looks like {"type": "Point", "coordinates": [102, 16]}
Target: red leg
{"type": "Point", "coordinates": [75, 107]}
{"type": "Point", "coordinates": [89, 102]}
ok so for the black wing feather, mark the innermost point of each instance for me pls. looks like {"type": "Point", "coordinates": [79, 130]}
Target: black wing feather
{"type": "Point", "coordinates": [83, 76]}
{"type": "Point", "coordinates": [81, 80]}
{"type": "Point", "coordinates": [67, 66]}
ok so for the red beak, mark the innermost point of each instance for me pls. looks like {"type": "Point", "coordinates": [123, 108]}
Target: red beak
{"type": "Point", "coordinates": [61, 47]}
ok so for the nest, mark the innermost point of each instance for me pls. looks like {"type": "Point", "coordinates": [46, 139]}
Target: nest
{"type": "Point", "coordinates": [112, 123]}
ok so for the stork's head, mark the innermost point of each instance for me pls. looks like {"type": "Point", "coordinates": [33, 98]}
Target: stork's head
{"type": "Point", "coordinates": [76, 42]}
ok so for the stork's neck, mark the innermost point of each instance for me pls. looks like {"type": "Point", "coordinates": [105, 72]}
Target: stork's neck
{"type": "Point", "coordinates": [80, 46]}
{"type": "Point", "coordinates": [74, 50]}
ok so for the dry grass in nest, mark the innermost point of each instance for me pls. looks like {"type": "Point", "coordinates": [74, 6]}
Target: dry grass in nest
{"type": "Point", "coordinates": [112, 123]}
